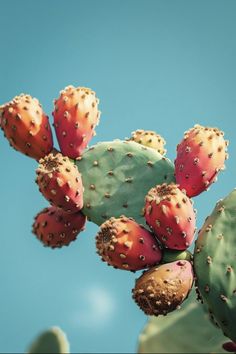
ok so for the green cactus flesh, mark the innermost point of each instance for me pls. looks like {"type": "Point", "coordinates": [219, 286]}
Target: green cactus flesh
{"type": "Point", "coordinates": [172, 256]}
{"type": "Point", "coordinates": [215, 264]}
{"type": "Point", "coordinates": [52, 340]}
{"type": "Point", "coordinates": [117, 175]}
{"type": "Point", "coordinates": [187, 330]}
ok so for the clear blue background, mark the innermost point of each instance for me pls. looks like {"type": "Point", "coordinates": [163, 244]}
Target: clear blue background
{"type": "Point", "coordinates": [155, 64]}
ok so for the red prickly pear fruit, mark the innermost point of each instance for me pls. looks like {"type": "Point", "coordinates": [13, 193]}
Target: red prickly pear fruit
{"type": "Point", "coordinates": [200, 156]}
{"type": "Point", "coordinates": [60, 182]}
{"type": "Point", "coordinates": [55, 228]}
{"type": "Point", "coordinates": [26, 126]}
{"type": "Point", "coordinates": [229, 347]}
{"type": "Point", "coordinates": [76, 115]}
{"type": "Point", "coordinates": [162, 289]}
{"type": "Point", "coordinates": [124, 244]}
{"type": "Point", "coordinates": [170, 214]}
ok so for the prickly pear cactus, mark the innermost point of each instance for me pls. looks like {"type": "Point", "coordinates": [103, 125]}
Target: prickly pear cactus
{"type": "Point", "coordinates": [117, 175]}
{"type": "Point", "coordinates": [183, 331]}
{"type": "Point", "coordinates": [215, 264]}
{"type": "Point", "coordinates": [51, 341]}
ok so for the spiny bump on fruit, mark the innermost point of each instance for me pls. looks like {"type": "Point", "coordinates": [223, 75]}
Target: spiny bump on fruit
{"type": "Point", "coordinates": [150, 139]}
{"type": "Point", "coordinates": [170, 214]}
{"type": "Point", "coordinates": [26, 126]}
{"type": "Point", "coordinates": [60, 182]}
{"type": "Point", "coordinates": [127, 245]}
{"type": "Point", "coordinates": [162, 289]}
{"type": "Point", "coordinates": [200, 157]}
{"type": "Point", "coordinates": [56, 228]}
{"type": "Point", "coordinates": [76, 115]}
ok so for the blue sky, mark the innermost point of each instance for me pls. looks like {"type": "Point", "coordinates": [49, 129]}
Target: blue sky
{"type": "Point", "coordinates": [162, 65]}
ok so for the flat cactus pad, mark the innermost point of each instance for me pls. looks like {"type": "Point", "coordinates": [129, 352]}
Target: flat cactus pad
{"type": "Point", "coordinates": [117, 175]}
{"type": "Point", "coordinates": [52, 340]}
{"type": "Point", "coordinates": [187, 330]}
{"type": "Point", "coordinates": [215, 264]}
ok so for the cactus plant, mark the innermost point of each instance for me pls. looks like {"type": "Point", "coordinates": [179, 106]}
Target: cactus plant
{"type": "Point", "coordinates": [26, 126]}
{"type": "Point", "coordinates": [76, 115]}
{"type": "Point", "coordinates": [52, 340]}
{"type": "Point", "coordinates": [125, 244]}
{"type": "Point", "coordinates": [215, 264]}
{"type": "Point", "coordinates": [185, 331]}
{"type": "Point", "coordinates": [117, 175]}
{"type": "Point", "coordinates": [200, 156]}
{"type": "Point", "coordinates": [115, 178]}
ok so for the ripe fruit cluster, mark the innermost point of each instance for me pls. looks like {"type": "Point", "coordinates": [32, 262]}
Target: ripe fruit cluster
{"type": "Point", "coordinates": [28, 130]}
{"type": "Point", "coordinates": [107, 184]}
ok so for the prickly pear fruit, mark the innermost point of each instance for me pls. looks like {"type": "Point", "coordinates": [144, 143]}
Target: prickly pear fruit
{"type": "Point", "coordinates": [162, 289]}
{"type": "Point", "coordinates": [200, 156]}
{"type": "Point", "coordinates": [76, 115]}
{"type": "Point", "coordinates": [149, 138]}
{"type": "Point", "coordinates": [229, 347]}
{"type": "Point", "coordinates": [26, 126]}
{"type": "Point", "coordinates": [60, 182]}
{"type": "Point", "coordinates": [56, 228]}
{"type": "Point", "coordinates": [170, 214]}
{"type": "Point", "coordinates": [126, 245]}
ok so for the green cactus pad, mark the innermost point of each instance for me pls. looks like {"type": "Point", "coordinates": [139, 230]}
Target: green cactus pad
{"type": "Point", "coordinates": [215, 264]}
{"type": "Point", "coordinates": [187, 330]}
{"type": "Point", "coordinates": [51, 341]}
{"type": "Point", "coordinates": [117, 175]}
